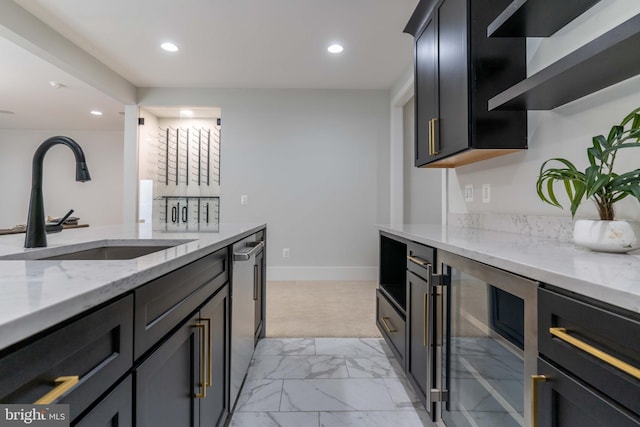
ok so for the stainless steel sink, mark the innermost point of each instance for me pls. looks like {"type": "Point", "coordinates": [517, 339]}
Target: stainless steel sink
{"type": "Point", "coordinates": [109, 252]}
{"type": "Point", "coordinates": [102, 250]}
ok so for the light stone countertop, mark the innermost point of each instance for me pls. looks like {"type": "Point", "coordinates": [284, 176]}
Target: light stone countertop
{"type": "Point", "coordinates": [35, 295]}
{"type": "Point", "coordinates": [611, 278]}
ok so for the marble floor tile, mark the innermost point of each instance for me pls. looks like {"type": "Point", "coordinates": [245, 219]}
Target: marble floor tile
{"type": "Point", "coordinates": [275, 419]}
{"type": "Point", "coordinates": [301, 367]}
{"type": "Point", "coordinates": [375, 419]}
{"type": "Point", "coordinates": [308, 382]}
{"type": "Point", "coordinates": [335, 395]}
{"type": "Point", "coordinates": [351, 346]}
{"type": "Point", "coordinates": [402, 394]}
{"type": "Point", "coordinates": [373, 367]}
{"type": "Point", "coordinates": [285, 347]}
{"type": "Point", "coordinates": [259, 396]}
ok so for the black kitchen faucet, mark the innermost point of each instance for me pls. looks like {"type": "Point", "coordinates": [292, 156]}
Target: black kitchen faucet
{"type": "Point", "coordinates": [36, 233]}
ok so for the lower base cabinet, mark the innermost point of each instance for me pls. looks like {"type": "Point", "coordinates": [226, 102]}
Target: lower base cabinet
{"type": "Point", "coordinates": [587, 365]}
{"type": "Point", "coordinates": [115, 410]}
{"type": "Point", "coordinates": [564, 401]}
{"type": "Point", "coordinates": [183, 382]}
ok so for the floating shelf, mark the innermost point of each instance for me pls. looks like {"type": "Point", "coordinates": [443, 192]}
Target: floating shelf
{"type": "Point", "coordinates": [536, 18]}
{"type": "Point", "coordinates": [609, 59]}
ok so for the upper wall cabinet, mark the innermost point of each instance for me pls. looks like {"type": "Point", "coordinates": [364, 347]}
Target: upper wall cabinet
{"type": "Point", "coordinates": [457, 70]}
{"type": "Point", "coordinates": [602, 62]}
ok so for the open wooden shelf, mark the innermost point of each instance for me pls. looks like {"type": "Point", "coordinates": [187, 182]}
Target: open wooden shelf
{"type": "Point", "coordinates": [609, 59]}
{"type": "Point", "coordinates": [536, 18]}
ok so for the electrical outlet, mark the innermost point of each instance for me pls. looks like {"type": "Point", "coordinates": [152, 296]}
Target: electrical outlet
{"type": "Point", "coordinates": [486, 193]}
{"type": "Point", "coordinates": [244, 199]}
{"type": "Point", "coordinates": [468, 193]}
{"type": "Point", "coordinates": [285, 252]}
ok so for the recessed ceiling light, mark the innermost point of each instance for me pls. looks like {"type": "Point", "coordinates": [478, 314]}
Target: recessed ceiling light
{"type": "Point", "coordinates": [6, 112]}
{"type": "Point", "coordinates": [169, 47]}
{"type": "Point", "coordinates": [187, 113]}
{"type": "Point", "coordinates": [96, 112]}
{"type": "Point", "coordinates": [56, 85]}
{"type": "Point", "coordinates": [335, 48]}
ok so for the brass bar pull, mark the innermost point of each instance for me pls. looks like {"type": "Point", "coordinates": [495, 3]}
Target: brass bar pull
{"type": "Point", "coordinates": [425, 322]}
{"type": "Point", "coordinates": [535, 380]}
{"type": "Point", "coordinates": [434, 135]}
{"type": "Point", "coordinates": [430, 138]}
{"type": "Point", "coordinates": [416, 260]}
{"type": "Point", "coordinates": [203, 361]}
{"type": "Point", "coordinates": [385, 321]}
{"type": "Point", "coordinates": [210, 349]}
{"type": "Point", "coordinates": [562, 334]}
{"type": "Point", "coordinates": [255, 282]}
{"type": "Point", "coordinates": [64, 384]}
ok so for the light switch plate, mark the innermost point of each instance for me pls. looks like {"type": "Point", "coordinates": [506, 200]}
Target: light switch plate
{"type": "Point", "coordinates": [468, 193]}
{"type": "Point", "coordinates": [486, 193]}
{"type": "Point", "coordinates": [244, 199]}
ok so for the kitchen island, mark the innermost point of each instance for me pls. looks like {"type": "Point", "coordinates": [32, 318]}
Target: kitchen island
{"type": "Point", "coordinates": [108, 316]}
{"type": "Point", "coordinates": [38, 294]}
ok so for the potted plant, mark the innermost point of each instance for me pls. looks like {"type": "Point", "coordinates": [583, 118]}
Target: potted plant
{"type": "Point", "coordinates": [600, 183]}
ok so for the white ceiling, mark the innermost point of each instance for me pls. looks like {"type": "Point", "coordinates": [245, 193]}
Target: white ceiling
{"type": "Point", "coordinates": [25, 91]}
{"type": "Point", "coordinates": [223, 43]}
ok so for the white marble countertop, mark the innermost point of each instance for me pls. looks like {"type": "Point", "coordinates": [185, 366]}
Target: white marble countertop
{"type": "Point", "coordinates": [37, 294]}
{"type": "Point", "coordinates": [611, 278]}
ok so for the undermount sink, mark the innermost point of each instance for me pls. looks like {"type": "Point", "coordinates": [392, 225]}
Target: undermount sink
{"type": "Point", "coordinates": [103, 250]}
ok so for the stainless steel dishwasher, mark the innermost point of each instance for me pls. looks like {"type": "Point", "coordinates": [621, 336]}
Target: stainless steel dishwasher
{"type": "Point", "coordinates": [243, 296]}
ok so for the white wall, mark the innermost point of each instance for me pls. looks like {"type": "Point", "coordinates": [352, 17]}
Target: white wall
{"type": "Point", "coordinates": [96, 202]}
{"type": "Point", "coordinates": [314, 165]}
{"type": "Point", "coordinates": [563, 132]}
{"type": "Point", "coordinates": [422, 187]}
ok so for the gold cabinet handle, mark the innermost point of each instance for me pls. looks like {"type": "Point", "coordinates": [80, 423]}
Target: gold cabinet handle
{"type": "Point", "coordinates": [203, 361]}
{"type": "Point", "coordinates": [535, 380]}
{"type": "Point", "coordinates": [562, 334]}
{"type": "Point", "coordinates": [418, 261]}
{"type": "Point", "coordinates": [210, 351]}
{"type": "Point", "coordinates": [432, 137]}
{"type": "Point", "coordinates": [385, 321]}
{"type": "Point", "coordinates": [64, 384]}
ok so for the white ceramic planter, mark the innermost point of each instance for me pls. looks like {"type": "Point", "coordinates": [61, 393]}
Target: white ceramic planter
{"type": "Point", "coordinates": [607, 236]}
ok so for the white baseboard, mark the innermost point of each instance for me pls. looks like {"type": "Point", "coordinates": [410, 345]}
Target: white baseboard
{"type": "Point", "coordinates": [321, 273]}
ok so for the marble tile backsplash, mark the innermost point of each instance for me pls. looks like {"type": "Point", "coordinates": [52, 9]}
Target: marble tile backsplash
{"type": "Point", "coordinates": [546, 227]}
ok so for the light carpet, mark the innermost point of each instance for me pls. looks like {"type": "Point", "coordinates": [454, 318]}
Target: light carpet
{"type": "Point", "coordinates": [321, 309]}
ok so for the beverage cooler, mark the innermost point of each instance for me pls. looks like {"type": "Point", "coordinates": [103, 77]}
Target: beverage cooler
{"type": "Point", "coordinates": [487, 345]}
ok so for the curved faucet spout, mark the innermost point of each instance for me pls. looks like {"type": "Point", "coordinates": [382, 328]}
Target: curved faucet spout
{"type": "Point", "coordinates": [36, 236]}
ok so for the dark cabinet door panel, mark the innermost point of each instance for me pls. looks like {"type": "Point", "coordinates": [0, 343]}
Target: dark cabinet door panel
{"type": "Point", "coordinates": [566, 402]}
{"type": "Point", "coordinates": [426, 88]}
{"type": "Point", "coordinates": [167, 382]}
{"type": "Point", "coordinates": [214, 407]}
{"type": "Point", "coordinates": [452, 125]}
{"type": "Point", "coordinates": [115, 410]}
{"type": "Point", "coordinates": [392, 325]}
{"type": "Point", "coordinates": [419, 311]}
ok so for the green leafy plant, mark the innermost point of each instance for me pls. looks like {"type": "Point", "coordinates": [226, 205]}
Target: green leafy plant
{"type": "Point", "coordinates": [598, 182]}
